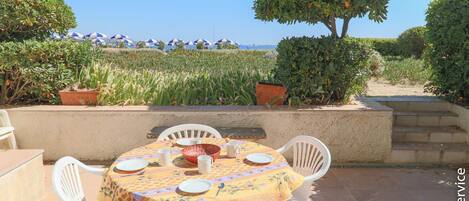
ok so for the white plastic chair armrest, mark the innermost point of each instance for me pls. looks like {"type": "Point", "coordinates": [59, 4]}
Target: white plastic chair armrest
{"type": "Point", "coordinates": [6, 130]}
{"type": "Point", "coordinates": [96, 171]}
{"type": "Point", "coordinates": [282, 149]}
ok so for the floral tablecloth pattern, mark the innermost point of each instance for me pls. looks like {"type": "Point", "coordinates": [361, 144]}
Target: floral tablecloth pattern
{"type": "Point", "coordinates": [242, 180]}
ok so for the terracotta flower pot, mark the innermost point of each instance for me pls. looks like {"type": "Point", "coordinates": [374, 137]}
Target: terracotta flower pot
{"type": "Point", "coordinates": [270, 94]}
{"type": "Point", "coordinates": [79, 97]}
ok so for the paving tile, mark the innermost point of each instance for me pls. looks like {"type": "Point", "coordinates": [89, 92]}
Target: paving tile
{"type": "Point", "coordinates": [328, 194]}
{"type": "Point", "coordinates": [402, 156]}
{"type": "Point", "coordinates": [441, 137]}
{"type": "Point", "coordinates": [448, 121]}
{"type": "Point", "coordinates": [428, 120]}
{"type": "Point", "coordinates": [427, 156]}
{"type": "Point", "coordinates": [460, 138]}
{"type": "Point", "coordinates": [454, 156]}
{"type": "Point", "coordinates": [405, 120]}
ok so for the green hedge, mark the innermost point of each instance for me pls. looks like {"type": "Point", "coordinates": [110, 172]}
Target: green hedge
{"type": "Point", "coordinates": [323, 70]}
{"type": "Point", "coordinates": [448, 52]}
{"type": "Point", "coordinates": [412, 41]}
{"type": "Point", "coordinates": [34, 71]}
{"type": "Point", "coordinates": [385, 46]}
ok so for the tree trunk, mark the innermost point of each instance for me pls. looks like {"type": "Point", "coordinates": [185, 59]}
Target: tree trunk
{"type": "Point", "coordinates": [345, 27]}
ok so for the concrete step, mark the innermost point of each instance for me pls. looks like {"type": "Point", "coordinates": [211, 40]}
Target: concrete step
{"type": "Point", "coordinates": [443, 134]}
{"type": "Point", "coordinates": [438, 153]}
{"type": "Point", "coordinates": [419, 106]}
{"type": "Point", "coordinates": [425, 118]}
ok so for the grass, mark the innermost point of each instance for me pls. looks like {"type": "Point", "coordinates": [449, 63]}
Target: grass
{"type": "Point", "coordinates": [179, 78]}
{"type": "Point", "coordinates": [405, 71]}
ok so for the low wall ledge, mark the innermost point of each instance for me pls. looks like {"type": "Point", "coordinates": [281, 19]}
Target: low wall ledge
{"type": "Point", "coordinates": [61, 108]}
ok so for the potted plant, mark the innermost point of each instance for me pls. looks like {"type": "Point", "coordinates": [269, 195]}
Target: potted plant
{"type": "Point", "coordinates": [78, 94]}
{"type": "Point", "coordinates": [270, 93]}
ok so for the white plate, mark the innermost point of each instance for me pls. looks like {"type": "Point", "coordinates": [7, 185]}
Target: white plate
{"type": "Point", "coordinates": [132, 165]}
{"type": "Point", "coordinates": [260, 158]}
{"type": "Point", "coordinates": [195, 186]}
{"type": "Point", "coordinates": [186, 141]}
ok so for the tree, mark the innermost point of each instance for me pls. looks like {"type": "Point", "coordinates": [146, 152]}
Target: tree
{"type": "Point", "coordinates": [412, 41]}
{"type": "Point", "coordinates": [320, 11]}
{"type": "Point", "coordinates": [27, 19]}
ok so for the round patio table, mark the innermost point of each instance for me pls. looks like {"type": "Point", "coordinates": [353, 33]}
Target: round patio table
{"type": "Point", "coordinates": [242, 180]}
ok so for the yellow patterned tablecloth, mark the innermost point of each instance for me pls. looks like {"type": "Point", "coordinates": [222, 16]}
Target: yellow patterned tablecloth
{"type": "Point", "coordinates": [242, 180]}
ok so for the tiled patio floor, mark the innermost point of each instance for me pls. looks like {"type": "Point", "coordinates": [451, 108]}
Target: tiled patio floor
{"type": "Point", "coordinates": [351, 184]}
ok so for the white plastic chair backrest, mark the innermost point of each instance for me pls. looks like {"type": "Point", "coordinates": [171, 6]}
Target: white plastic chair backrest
{"type": "Point", "coordinates": [4, 119]}
{"type": "Point", "coordinates": [189, 131]}
{"type": "Point", "coordinates": [311, 157]}
{"type": "Point", "coordinates": [66, 178]}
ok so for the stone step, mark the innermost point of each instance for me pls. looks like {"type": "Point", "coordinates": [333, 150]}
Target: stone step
{"type": "Point", "coordinates": [419, 106]}
{"type": "Point", "coordinates": [428, 118]}
{"type": "Point", "coordinates": [443, 134]}
{"type": "Point", "coordinates": [438, 153]}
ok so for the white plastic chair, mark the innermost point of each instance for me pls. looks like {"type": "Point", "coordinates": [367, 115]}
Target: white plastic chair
{"type": "Point", "coordinates": [311, 158]}
{"type": "Point", "coordinates": [6, 131]}
{"type": "Point", "coordinates": [66, 178]}
{"type": "Point", "coordinates": [188, 131]}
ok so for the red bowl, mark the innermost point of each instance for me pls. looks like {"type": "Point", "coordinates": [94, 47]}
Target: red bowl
{"type": "Point", "coordinates": [191, 153]}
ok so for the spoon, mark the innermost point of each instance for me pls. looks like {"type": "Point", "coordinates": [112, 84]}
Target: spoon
{"type": "Point", "coordinates": [220, 186]}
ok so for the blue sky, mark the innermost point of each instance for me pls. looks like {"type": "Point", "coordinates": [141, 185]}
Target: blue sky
{"type": "Point", "coordinates": [215, 19]}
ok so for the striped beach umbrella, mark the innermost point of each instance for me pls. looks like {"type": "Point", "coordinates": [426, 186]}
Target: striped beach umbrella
{"type": "Point", "coordinates": [205, 42]}
{"type": "Point", "coordinates": [222, 41]}
{"type": "Point", "coordinates": [119, 37]}
{"type": "Point", "coordinates": [151, 41]}
{"type": "Point", "coordinates": [95, 35]}
{"type": "Point", "coordinates": [128, 41]}
{"type": "Point", "coordinates": [56, 36]}
{"type": "Point", "coordinates": [98, 41]}
{"type": "Point", "coordinates": [189, 43]}
{"type": "Point", "coordinates": [75, 35]}
{"type": "Point", "coordinates": [175, 42]}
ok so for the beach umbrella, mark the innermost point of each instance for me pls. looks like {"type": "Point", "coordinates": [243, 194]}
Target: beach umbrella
{"type": "Point", "coordinates": [98, 41]}
{"type": "Point", "coordinates": [189, 43]}
{"type": "Point", "coordinates": [175, 42]}
{"type": "Point", "coordinates": [128, 41]}
{"type": "Point", "coordinates": [95, 35]}
{"type": "Point", "coordinates": [56, 36]}
{"type": "Point", "coordinates": [151, 41]}
{"type": "Point", "coordinates": [205, 42]}
{"type": "Point", "coordinates": [75, 35]}
{"type": "Point", "coordinates": [119, 37]}
{"type": "Point", "coordinates": [221, 41]}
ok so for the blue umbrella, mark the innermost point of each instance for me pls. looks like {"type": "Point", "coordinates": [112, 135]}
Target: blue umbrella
{"type": "Point", "coordinates": [151, 41]}
{"type": "Point", "coordinates": [56, 36]}
{"type": "Point", "coordinates": [189, 43]}
{"type": "Point", "coordinates": [205, 42]}
{"type": "Point", "coordinates": [175, 42]}
{"type": "Point", "coordinates": [119, 36]}
{"type": "Point", "coordinates": [222, 41]}
{"type": "Point", "coordinates": [95, 35]}
{"type": "Point", "coordinates": [128, 41]}
{"type": "Point", "coordinates": [98, 41]}
{"type": "Point", "coordinates": [75, 35]}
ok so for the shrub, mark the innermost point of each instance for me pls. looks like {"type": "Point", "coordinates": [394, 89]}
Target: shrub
{"type": "Point", "coordinates": [323, 70]}
{"type": "Point", "coordinates": [412, 41]}
{"type": "Point", "coordinates": [385, 46]}
{"type": "Point", "coordinates": [27, 19]}
{"type": "Point", "coordinates": [376, 63]}
{"type": "Point", "coordinates": [200, 46]}
{"type": "Point", "coordinates": [447, 24]}
{"type": "Point", "coordinates": [161, 45]}
{"type": "Point", "coordinates": [141, 44]}
{"type": "Point", "coordinates": [227, 46]}
{"type": "Point", "coordinates": [400, 70]}
{"type": "Point", "coordinates": [35, 71]}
